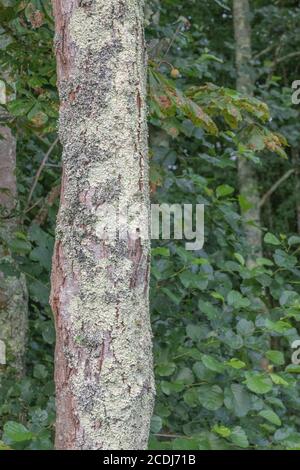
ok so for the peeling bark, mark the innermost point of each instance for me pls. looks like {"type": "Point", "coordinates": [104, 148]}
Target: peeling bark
{"type": "Point", "coordinates": [104, 372]}
{"type": "Point", "coordinates": [248, 180]}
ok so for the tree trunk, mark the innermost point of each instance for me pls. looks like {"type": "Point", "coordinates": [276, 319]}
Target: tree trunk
{"type": "Point", "coordinates": [104, 371]}
{"type": "Point", "coordinates": [246, 172]}
{"type": "Point", "coordinates": [13, 291]}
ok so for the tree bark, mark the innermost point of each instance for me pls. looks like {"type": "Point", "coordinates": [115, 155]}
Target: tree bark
{"type": "Point", "coordinates": [104, 371]}
{"type": "Point", "coordinates": [13, 291]}
{"type": "Point", "coordinates": [248, 181]}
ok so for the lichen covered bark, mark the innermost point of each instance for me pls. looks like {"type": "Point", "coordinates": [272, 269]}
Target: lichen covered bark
{"type": "Point", "coordinates": [13, 321]}
{"type": "Point", "coordinates": [248, 180]}
{"type": "Point", "coordinates": [104, 376]}
{"type": "Point", "coordinates": [13, 291]}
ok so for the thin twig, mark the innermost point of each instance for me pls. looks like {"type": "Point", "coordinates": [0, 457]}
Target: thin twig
{"type": "Point", "coordinates": [274, 187]}
{"type": "Point", "coordinates": [173, 436]}
{"type": "Point", "coordinates": [38, 174]}
{"type": "Point", "coordinates": [286, 57]}
{"type": "Point", "coordinates": [263, 52]}
{"type": "Point", "coordinates": [171, 43]}
{"type": "Point", "coordinates": [33, 206]}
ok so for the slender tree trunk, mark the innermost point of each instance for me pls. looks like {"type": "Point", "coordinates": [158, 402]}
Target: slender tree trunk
{"type": "Point", "coordinates": [104, 376]}
{"type": "Point", "coordinates": [246, 172]}
{"type": "Point", "coordinates": [13, 291]}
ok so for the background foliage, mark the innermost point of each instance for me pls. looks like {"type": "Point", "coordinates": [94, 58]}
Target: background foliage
{"type": "Point", "coordinates": [222, 330]}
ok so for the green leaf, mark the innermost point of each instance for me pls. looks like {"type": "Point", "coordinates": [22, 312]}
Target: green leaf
{"type": "Point", "coordinates": [208, 309]}
{"type": "Point", "coordinates": [224, 190]}
{"type": "Point", "coordinates": [212, 364]}
{"type": "Point", "coordinates": [156, 424]}
{"type": "Point", "coordinates": [276, 357]}
{"type": "Point", "coordinates": [294, 240]}
{"type": "Point", "coordinates": [40, 371]}
{"type": "Point", "coordinates": [185, 444]}
{"type": "Point", "coordinates": [194, 281]}
{"type": "Point", "coordinates": [245, 327]}
{"type": "Point", "coordinates": [240, 258]}
{"type": "Point", "coordinates": [279, 326]}
{"type": "Point", "coordinates": [16, 432]}
{"type": "Point", "coordinates": [245, 205]}
{"type": "Point", "coordinates": [293, 369]}
{"type": "Point", "coordinates": [236, 363]}
{"type": "Point", "coordinates": [283, 260]}
{"type": "Point", "coordinates": [195, 332]}
{"type": "Point", "coordinates": [166, 369]}
{"type": "Point", "coordinates": [185, 376]}
{"type": "Point", "coordinates": [236, 300]}
{"type": "Point", "coordinates": [270, 416]}
{"type": "Point", "coordinates": [239, 437]}
{"type": "Point", "coordinates": [210, 397]}
{"type": "Point", "coordinates": [258, 382]}
{"type": "Point", "coordinates": [19, 107]}
{"type": "Point", "coordinates": [271, 239]}
{"type": "Point", "coordinates": [289, 297]}
{"type": "Point", "coordinates": [278, 380]}
{"type": "Point", "coordinates": [160, 251]}
{"type": "Point", "coordinates": [190, 397]}
{"type": "Point", "coordinates": [19, 246]}
{"type": "Point", "coordinates": [222, 431]}
{"type": "Point", "coordinates": [237, 399]}
{"type": "Point", "coordinates": [175, 297]}
{"type": "Point", "coordinates": [169, 388]}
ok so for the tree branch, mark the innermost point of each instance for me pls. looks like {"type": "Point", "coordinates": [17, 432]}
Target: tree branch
{"type": "Point", "coordinates": [38, 174]}
{"type": "Point", "coordinates": [274, 187]}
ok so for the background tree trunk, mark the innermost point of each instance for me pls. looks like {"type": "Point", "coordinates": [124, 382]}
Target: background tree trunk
{"type": "Point", "coordinates": [104, 376]}
{"type": "Point", "coordinates": [248, 181]}
{"type": "Point", "coordinates": [13, 291]}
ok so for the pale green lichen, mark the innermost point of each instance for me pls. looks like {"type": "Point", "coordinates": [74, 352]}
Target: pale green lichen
{"type": "Point", "coordinates": [104, 301]}
{"type": "Point", "coordinates": [14, 320]}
